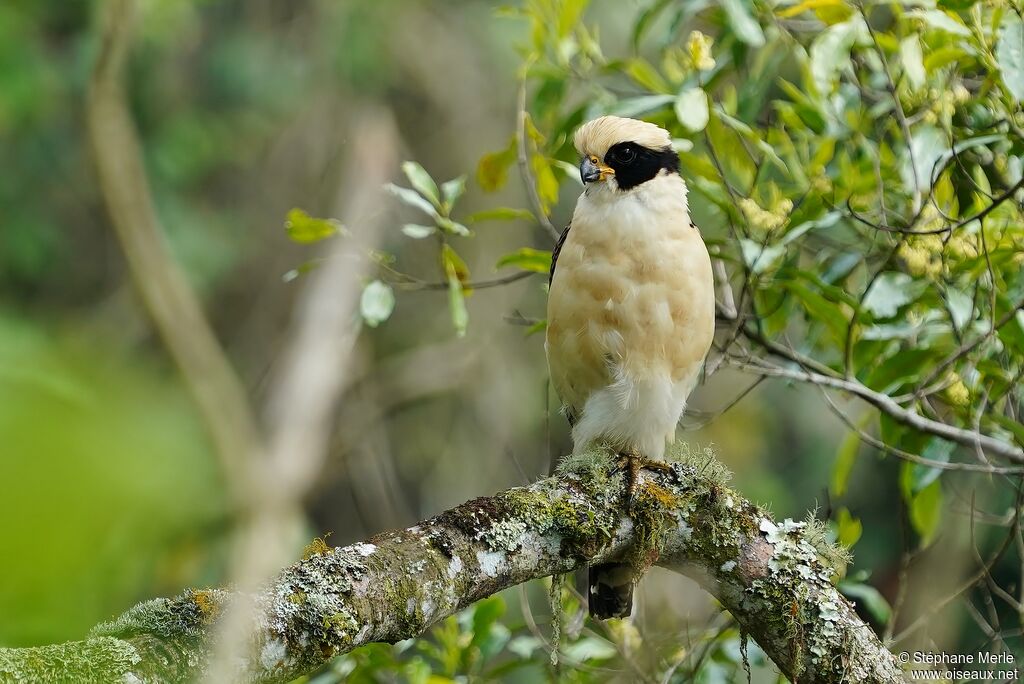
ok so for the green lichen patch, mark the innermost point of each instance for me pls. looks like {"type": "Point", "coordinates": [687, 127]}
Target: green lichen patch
{"type": "Point", "coordinates": [309, 614]}
{"type": "Point", "coordinates": [654, 510]}
{"type": "Point", "coordinates": [208, 603]}
{"type": "Point", "coordinates": [706, 466]}
{"type": "Point", "coordinates": [185, 615]}
{"type": "Point", "coordinates": [832, 554]}
{"type": "Point", "coordinates": [317, 547]}
{"type": "Point", "coordinates": [96, 660]}
{"type": "Point", "coordinates": [596, 463]}
{"type": "Point", "coordinates": [476, 517]}
{"type": "Point", "coordinates": [799, 577]}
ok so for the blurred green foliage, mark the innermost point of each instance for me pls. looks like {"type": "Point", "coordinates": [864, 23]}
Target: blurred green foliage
{"type": "Point", "coordinates": [109, 492]}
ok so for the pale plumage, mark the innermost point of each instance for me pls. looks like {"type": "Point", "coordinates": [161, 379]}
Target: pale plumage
{"type": "Point", "coordinates": [631, 309]}
{"type": "Point", "coordinates": [631, 303]}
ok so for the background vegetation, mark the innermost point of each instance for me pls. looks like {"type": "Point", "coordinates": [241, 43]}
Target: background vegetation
{"type": "Point", "coordinates": [856, 169]}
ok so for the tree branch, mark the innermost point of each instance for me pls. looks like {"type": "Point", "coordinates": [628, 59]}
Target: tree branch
{"type": "Point", "coordinates": [887, 405]}
{"type": "Point", "coordinates": [166, 294]}
{"type": "Point", "coordinates": [770, 576]}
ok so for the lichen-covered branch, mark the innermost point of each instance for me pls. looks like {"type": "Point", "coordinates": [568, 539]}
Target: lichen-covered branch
{"type": "Point", "coordinates": [773, 577]}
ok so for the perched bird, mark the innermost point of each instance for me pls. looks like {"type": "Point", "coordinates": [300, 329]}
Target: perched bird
{"type": "Point", "coordinates": [631, 309]}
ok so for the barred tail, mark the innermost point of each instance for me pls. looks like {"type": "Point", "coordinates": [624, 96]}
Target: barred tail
{"type": "Point", "coordinates": [610, 590]}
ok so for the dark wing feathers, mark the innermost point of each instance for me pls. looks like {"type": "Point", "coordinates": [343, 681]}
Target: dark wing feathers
{"type": "Point", "coordinates": [555, 252]}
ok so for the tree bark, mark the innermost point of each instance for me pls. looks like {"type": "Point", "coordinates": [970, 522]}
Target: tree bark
{"type": "Point", "coordinates": [773, 577]}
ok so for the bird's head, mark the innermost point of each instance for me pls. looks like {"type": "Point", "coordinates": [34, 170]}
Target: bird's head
{"type": "Point", "coordinates": [624, 153]}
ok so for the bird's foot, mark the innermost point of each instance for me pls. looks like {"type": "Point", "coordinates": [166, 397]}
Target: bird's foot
{"type": "Point", "coordinates": [632, 462]}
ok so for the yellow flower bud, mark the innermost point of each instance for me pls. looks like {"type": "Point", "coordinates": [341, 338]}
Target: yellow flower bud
{"type": "Point", "coordinates": [699, 47]}
{"type": "Point", "coordinates": [957, 393]}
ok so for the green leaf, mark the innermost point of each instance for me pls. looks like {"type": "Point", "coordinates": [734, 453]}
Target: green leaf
{"type": "Point", "coordinates": [820, 309]}
{"type": "Point", "coordinates": [888, 293]}
{"type": "Point", "coordinates": [523, 646]}
{"type": "Point", "coordinates": [547, 184]}
{"type": "Point", "coordinates": [588, 649]}
{"type": "Point", "coordinates": [959, 148]}
{"type": "Point", "coordinates": [485, 614]}
{"type": "Point", "coordinates": [571, 171]}
{"type": "Point", "coordinates": [809, 109]}
{"type": "Point", "coordinates": [418, 232]}
{"type": "Point", "coordinates": [743, 24]}
{"type": "Point", "coordinates": [956, 4]}
{"type": "Point", "coordinates": [377, 303]}
{"type": "Point", "coordinates": [501, 214]}
{"type": "Point", "coordinates": [539, 326]}
{"type": "Point", "coordinates": [1012, 334]}
{"type": "Point", "coordinates": [942, 21]}
{"type": "Point", "coordinates": [849, 528]}
{"type": "Point", "coordinates": [825, 221]}
{"type": "Point", "coordinates": [452, 190]}
{"type": "Point", "coordinates": [692, 109]}
{"type": "Point", "coordinates": [829, 11]}
{"type": "Point", "coordinates": [948, 54]}
{"type": "Point", "coordinates": [830, 52]}
{"type": "Point", "coordinates": [913, 61]}
{"type": "Point", "coordinates": [961, 307]}
{"type": "Point", "coordinates": [647, 17]}
{"type": "Point", "coordinates": [421, 180]}
{"type": "Point", "coordinates": [412, 198]}
{"type": "Point", "coordinates": [492, 169]}
{"type": "Point", "coordinates": [305, 229]}
{"type": "Point", "coordinates": [643, 73]}
{"type": "Point", "coordinates": [869, 597]}
{"type": "Point", "coordinates": [456, 273]}
{"type": "Point", "coordinates": [570, 15]}
{"type": "Point", "coordinates": [451, 262]}
{"type": "Point", "coordinates": [1010, 425]}
{"type": "Point", "coordinates": [457, 306]}
{"type": "Point", "coordinates": [922, 476]}
{"type": "Point", "coordinates": [926, 512]}
{"type": "Point", "coordinates": [903, 367]}
{"type": "Point", "coordinates": [846, 457]}
{"type": "Point", "coordinates": [1010, 55]}
{"type": "Point", "coordinates": [682, 144]}
{"type": "Point", "coordinates": [527, 259]}
{"type": "Point", "coordinates": [453, 227]}
{"type": "Point", "coordinates": [760, 258]}
{"type": "Point", "coordinates": [928, 145]}
{"type": "Point", "coordinates": [635, 106]}
{"type": "Point", "coordinates": [750, 134]}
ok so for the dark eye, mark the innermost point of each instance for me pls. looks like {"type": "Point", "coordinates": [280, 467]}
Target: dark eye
{"type": "Point", "coordinates": [625, 155]}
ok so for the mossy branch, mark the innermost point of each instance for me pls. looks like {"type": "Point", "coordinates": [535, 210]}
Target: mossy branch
{"type": "Point", "coordinates": [773, 577]}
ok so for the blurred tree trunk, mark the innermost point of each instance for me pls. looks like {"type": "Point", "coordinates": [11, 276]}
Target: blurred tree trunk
{"type": "Point", "coordinates": [168, 297]}
{"type": "Point", "coordinates": [771, 576]}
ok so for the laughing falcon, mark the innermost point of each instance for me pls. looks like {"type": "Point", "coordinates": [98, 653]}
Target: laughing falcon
{"type": "Point", "coordinates": [631, 308]}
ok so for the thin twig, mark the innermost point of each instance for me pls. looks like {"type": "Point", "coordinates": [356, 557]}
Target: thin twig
{"type": "Point", "coordinates": [405, 281]}
{"type": "Point", "coordinates": [524, 163]}
{"type": "Point", "coordinates": [726, 303]}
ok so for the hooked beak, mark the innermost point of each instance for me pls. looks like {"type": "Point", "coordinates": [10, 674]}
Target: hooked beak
{"type": "Point", "coordinates": [591, 170]}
